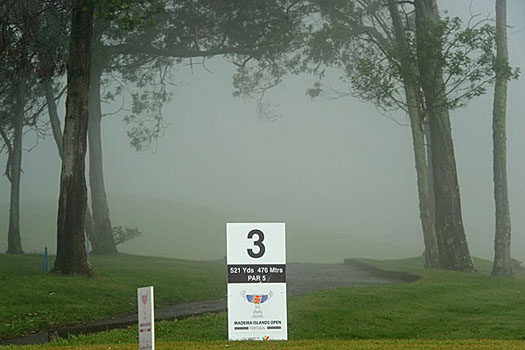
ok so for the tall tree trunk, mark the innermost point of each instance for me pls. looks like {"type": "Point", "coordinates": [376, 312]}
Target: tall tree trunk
{"type": "Point", "coordinates": [418, 139]}
{"type": "Point", "coordinates": [102, 242]}
{"type": "Point", "coordinates": [453, 248]}
{"type": "Point", "coordinates": [71, 251]}
{"type": "Point", "coordinates": [14, 243]}
{"type": "Point", "coordinates": [428, 144]}
{"type": "Point", "coordinates": [430, 171]}
{"type": "Point", "coordinates": [57, 135]}
{"type": "Point", "coordinates": [53, 116]}
{"type": "Point", "coordinates": [502, 255]}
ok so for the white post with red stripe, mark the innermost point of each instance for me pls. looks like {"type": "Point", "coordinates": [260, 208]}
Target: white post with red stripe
{"type": "Point", "coordinates": [146, 318]}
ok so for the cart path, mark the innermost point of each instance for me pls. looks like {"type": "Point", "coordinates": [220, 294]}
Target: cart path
{"type": "Point", "coordinates": [300, 278]}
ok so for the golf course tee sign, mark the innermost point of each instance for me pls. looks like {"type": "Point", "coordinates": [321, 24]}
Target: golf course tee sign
{"type": "Point", "coordinates": [256, 262]}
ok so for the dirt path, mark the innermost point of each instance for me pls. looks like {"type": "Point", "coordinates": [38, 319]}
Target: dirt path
{"type": "Point", "coordinates": [301, 278]}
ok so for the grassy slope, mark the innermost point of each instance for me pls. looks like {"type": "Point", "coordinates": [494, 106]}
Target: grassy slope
{"type": "Point", "coordinates": [32, 301]}
{"type": "Point", "coordinates": [184, 231]}
{"type": "Point", "coordinates": [442, 305]}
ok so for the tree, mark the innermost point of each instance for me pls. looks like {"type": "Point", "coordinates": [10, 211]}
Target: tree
{"type": "Point", "coordinates": [502, 255]}
{"type": "Point", "coordinates": [453, 248]}
{"type": "Point", "coordinates": [14, 245]}
{"type": "Point", "coordinates": [18, 32]}
{"type": "Point", "coordinates": [374, 44]}
{"type": "Point", "coordinates": [184, 30]}
{"type": "Point", "coordinates": [71, 253]}
{"type": "Point", "coordinates": [11, 132]}
{"type": "Point", "coordinates": [139, 42]}
{"type": "Point", "coordinates": [102, 236]}
{"type": "Point", "coordinates": [52, 54]}
{"type": "Point", "coordinates": [409, 75]}
{"type": "Point", "coordinates": [132, 43]}
{"type": "Point", "coordinates": [13, 48]}
{"type": "Point", "coordinates": [54, 121]}
{"type": "Point", "coordinates": [20, 109]}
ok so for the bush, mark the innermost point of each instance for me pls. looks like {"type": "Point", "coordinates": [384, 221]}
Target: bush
{"type": "Point", "coordinates": [123, 234]}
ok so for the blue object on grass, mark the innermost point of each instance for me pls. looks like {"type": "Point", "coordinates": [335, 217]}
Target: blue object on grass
{"type": "Point", "coordinates": [45, 261]}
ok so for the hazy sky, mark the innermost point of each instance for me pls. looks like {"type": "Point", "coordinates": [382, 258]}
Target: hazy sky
{"type": "Point", "coordinates": [336, 164]}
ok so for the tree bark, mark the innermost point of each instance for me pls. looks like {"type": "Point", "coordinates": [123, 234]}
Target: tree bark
{"type": "Point", "coordinates": [71, 251]}
{"type": "Point", "coordinates": [428, 145]}
{"type": "Point", "coordinates": [102, 242]}
{"type": "Point", "coordinates": [411, 88]}
{"type": "Point", "coordinates": [53, 116]}
{"type": "Point", "coordinates": [14, 242]}
{"type": "Point", "coordinates": [502, 254]}
{"type": "Point", "coordinates": [57, 135]}
{"type": "Point", "coordinates": [453, 248]}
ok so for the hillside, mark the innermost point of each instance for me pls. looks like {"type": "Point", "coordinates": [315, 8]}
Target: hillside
{"type": "Point", "coordinates": [185, 231]}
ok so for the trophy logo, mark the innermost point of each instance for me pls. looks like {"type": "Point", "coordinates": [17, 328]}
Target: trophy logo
{"type": "Point", "coordinates": [257, 300]}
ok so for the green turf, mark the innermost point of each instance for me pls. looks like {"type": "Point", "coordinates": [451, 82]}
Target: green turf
{"type": "Point", "coordinates": [31, 300]}
{"type": "Point", "coordinates": [431, 344]}
{"type": "Point", "coordinates": [442, 305]}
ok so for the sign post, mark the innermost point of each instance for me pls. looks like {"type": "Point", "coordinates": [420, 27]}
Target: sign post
{"type": "Point", "coordinates": [146, 318]}
{"type": "Point", "coordinates": [256, 259]}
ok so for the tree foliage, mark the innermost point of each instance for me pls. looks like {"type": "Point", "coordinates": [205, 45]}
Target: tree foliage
{"type": "Point", "coordinates": [123, 234]}
{"type": "Point", "coordinates": [143, 60]}
{"type": "Point", "coordinates": [357, 39]}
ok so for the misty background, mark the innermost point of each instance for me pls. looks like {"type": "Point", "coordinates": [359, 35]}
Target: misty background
{"type": "Point", "coordinates": [338, 172]}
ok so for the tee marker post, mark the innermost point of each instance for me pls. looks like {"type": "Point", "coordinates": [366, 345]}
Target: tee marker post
{"type": "Point", "coordinates": [146, 318]}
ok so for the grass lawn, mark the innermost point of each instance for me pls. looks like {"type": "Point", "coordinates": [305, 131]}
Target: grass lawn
{"type": "Point", "coordinates": [450, 308]}
{"type": "Point", "coordinates": [442, 305]}
{"type": "Point", "coordinates": [31, 300]}
{"type": "Point", "coordinates": [311, 345]}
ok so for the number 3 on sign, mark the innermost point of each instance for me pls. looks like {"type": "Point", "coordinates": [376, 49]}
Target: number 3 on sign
{"type": "Point", "coordinates": [258, 243]}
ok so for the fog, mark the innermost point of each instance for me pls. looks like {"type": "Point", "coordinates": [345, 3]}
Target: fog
{"type": "Point", "coordinates": [332, 165]}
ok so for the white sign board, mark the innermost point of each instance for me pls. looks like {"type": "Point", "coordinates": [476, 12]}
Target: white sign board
{"type": "Point", "coordinates": [146, 318]}
{"type": "Point", "coordinates": [256, 259]}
